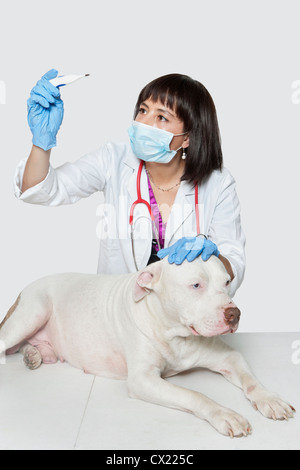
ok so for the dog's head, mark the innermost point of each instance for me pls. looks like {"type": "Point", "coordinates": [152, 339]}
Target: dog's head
{"type": "Point", "coordinates": [195, 294]}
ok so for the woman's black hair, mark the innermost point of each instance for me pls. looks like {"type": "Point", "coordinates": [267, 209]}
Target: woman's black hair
{"type": "Point", "coordinates": [192, 103]}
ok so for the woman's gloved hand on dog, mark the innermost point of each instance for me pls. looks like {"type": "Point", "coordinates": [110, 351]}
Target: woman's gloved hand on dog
{"type": "Point", "coordinates": [189, 248]}
{"type": "Point", "coordinates": [45, 111]}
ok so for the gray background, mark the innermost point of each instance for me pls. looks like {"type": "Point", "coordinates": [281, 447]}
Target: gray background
{"type": "Point", "coordinates": [245, 52]}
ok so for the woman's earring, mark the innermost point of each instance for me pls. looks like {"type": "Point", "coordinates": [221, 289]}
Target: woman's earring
{"type": "Point", "coordinates": [183, 155]}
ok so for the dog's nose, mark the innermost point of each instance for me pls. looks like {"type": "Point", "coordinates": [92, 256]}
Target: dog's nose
{"type": "Point", "coordinates": [232, 315]}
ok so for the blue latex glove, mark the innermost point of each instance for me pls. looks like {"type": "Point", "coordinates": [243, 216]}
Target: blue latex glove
{"type": "Point", "coordinates": [189, 248]}
{"type": "Point", "coordinates": [45, 111]}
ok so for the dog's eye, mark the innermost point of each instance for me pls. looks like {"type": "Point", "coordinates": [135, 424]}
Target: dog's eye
{"type": "Point", "coordinates": [228, 282]}
{"type": "Point", "coordinates": [196, 286]}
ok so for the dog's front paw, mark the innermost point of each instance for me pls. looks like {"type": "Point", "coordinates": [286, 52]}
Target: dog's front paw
{"type": "Point", "coordinates": [270, 405]}
{"type": "Point", "coordinates": [229, 423]}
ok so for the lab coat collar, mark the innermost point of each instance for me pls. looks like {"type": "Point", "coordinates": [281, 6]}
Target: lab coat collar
{"type": "Point", "coordinates": [184, 197]}
{"type": "Point", "coordinates": [133, 162]}
{"type": "Point", "coordinates": [180, 222]}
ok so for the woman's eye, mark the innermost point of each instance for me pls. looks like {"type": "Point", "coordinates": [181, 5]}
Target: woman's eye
{"type": "Point", "coordinates": [162, 118]}
{"type": "Point", "coordinates": [142, 111]}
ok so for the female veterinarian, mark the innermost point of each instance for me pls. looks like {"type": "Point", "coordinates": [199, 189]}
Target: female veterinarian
{"type": "Point", "coordinates": [162, 189]}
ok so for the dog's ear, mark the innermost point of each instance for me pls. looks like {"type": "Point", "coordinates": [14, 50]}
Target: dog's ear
{"type": "Point", "coordinates": [146, 280]}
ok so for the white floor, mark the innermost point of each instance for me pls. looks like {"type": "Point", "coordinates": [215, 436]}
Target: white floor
{"type": "Point", "coordinates": [59, 407]}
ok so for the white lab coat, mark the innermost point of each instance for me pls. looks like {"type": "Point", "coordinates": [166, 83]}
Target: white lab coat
{"type": "Point", "coordinates": [113, 170]}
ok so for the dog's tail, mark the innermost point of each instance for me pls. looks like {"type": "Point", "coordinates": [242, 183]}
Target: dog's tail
{"type": "Point", "coordinates": [10, 311]}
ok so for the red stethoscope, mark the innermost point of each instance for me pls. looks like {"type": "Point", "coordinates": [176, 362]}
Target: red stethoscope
{"type": "Point", "coordinates": [143, 201]}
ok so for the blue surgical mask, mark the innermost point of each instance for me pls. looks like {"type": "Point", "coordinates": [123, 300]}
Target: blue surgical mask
{"type": "Point", "coordinates": [151, 144]}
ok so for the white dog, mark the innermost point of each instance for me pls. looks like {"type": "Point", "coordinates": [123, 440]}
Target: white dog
{"type": "Point", "coordinates": [158, 322]}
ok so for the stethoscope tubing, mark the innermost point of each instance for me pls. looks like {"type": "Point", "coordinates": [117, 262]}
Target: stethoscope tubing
{"type": "Point", "coordinates": [140, 200]}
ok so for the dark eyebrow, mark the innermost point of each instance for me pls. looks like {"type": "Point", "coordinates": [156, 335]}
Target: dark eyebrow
{"type": "Point", "coordinates": [161, 110]}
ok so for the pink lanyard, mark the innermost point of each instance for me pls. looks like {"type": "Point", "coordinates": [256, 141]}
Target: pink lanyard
{"type": "Point", "coordinates": [158, 218]}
